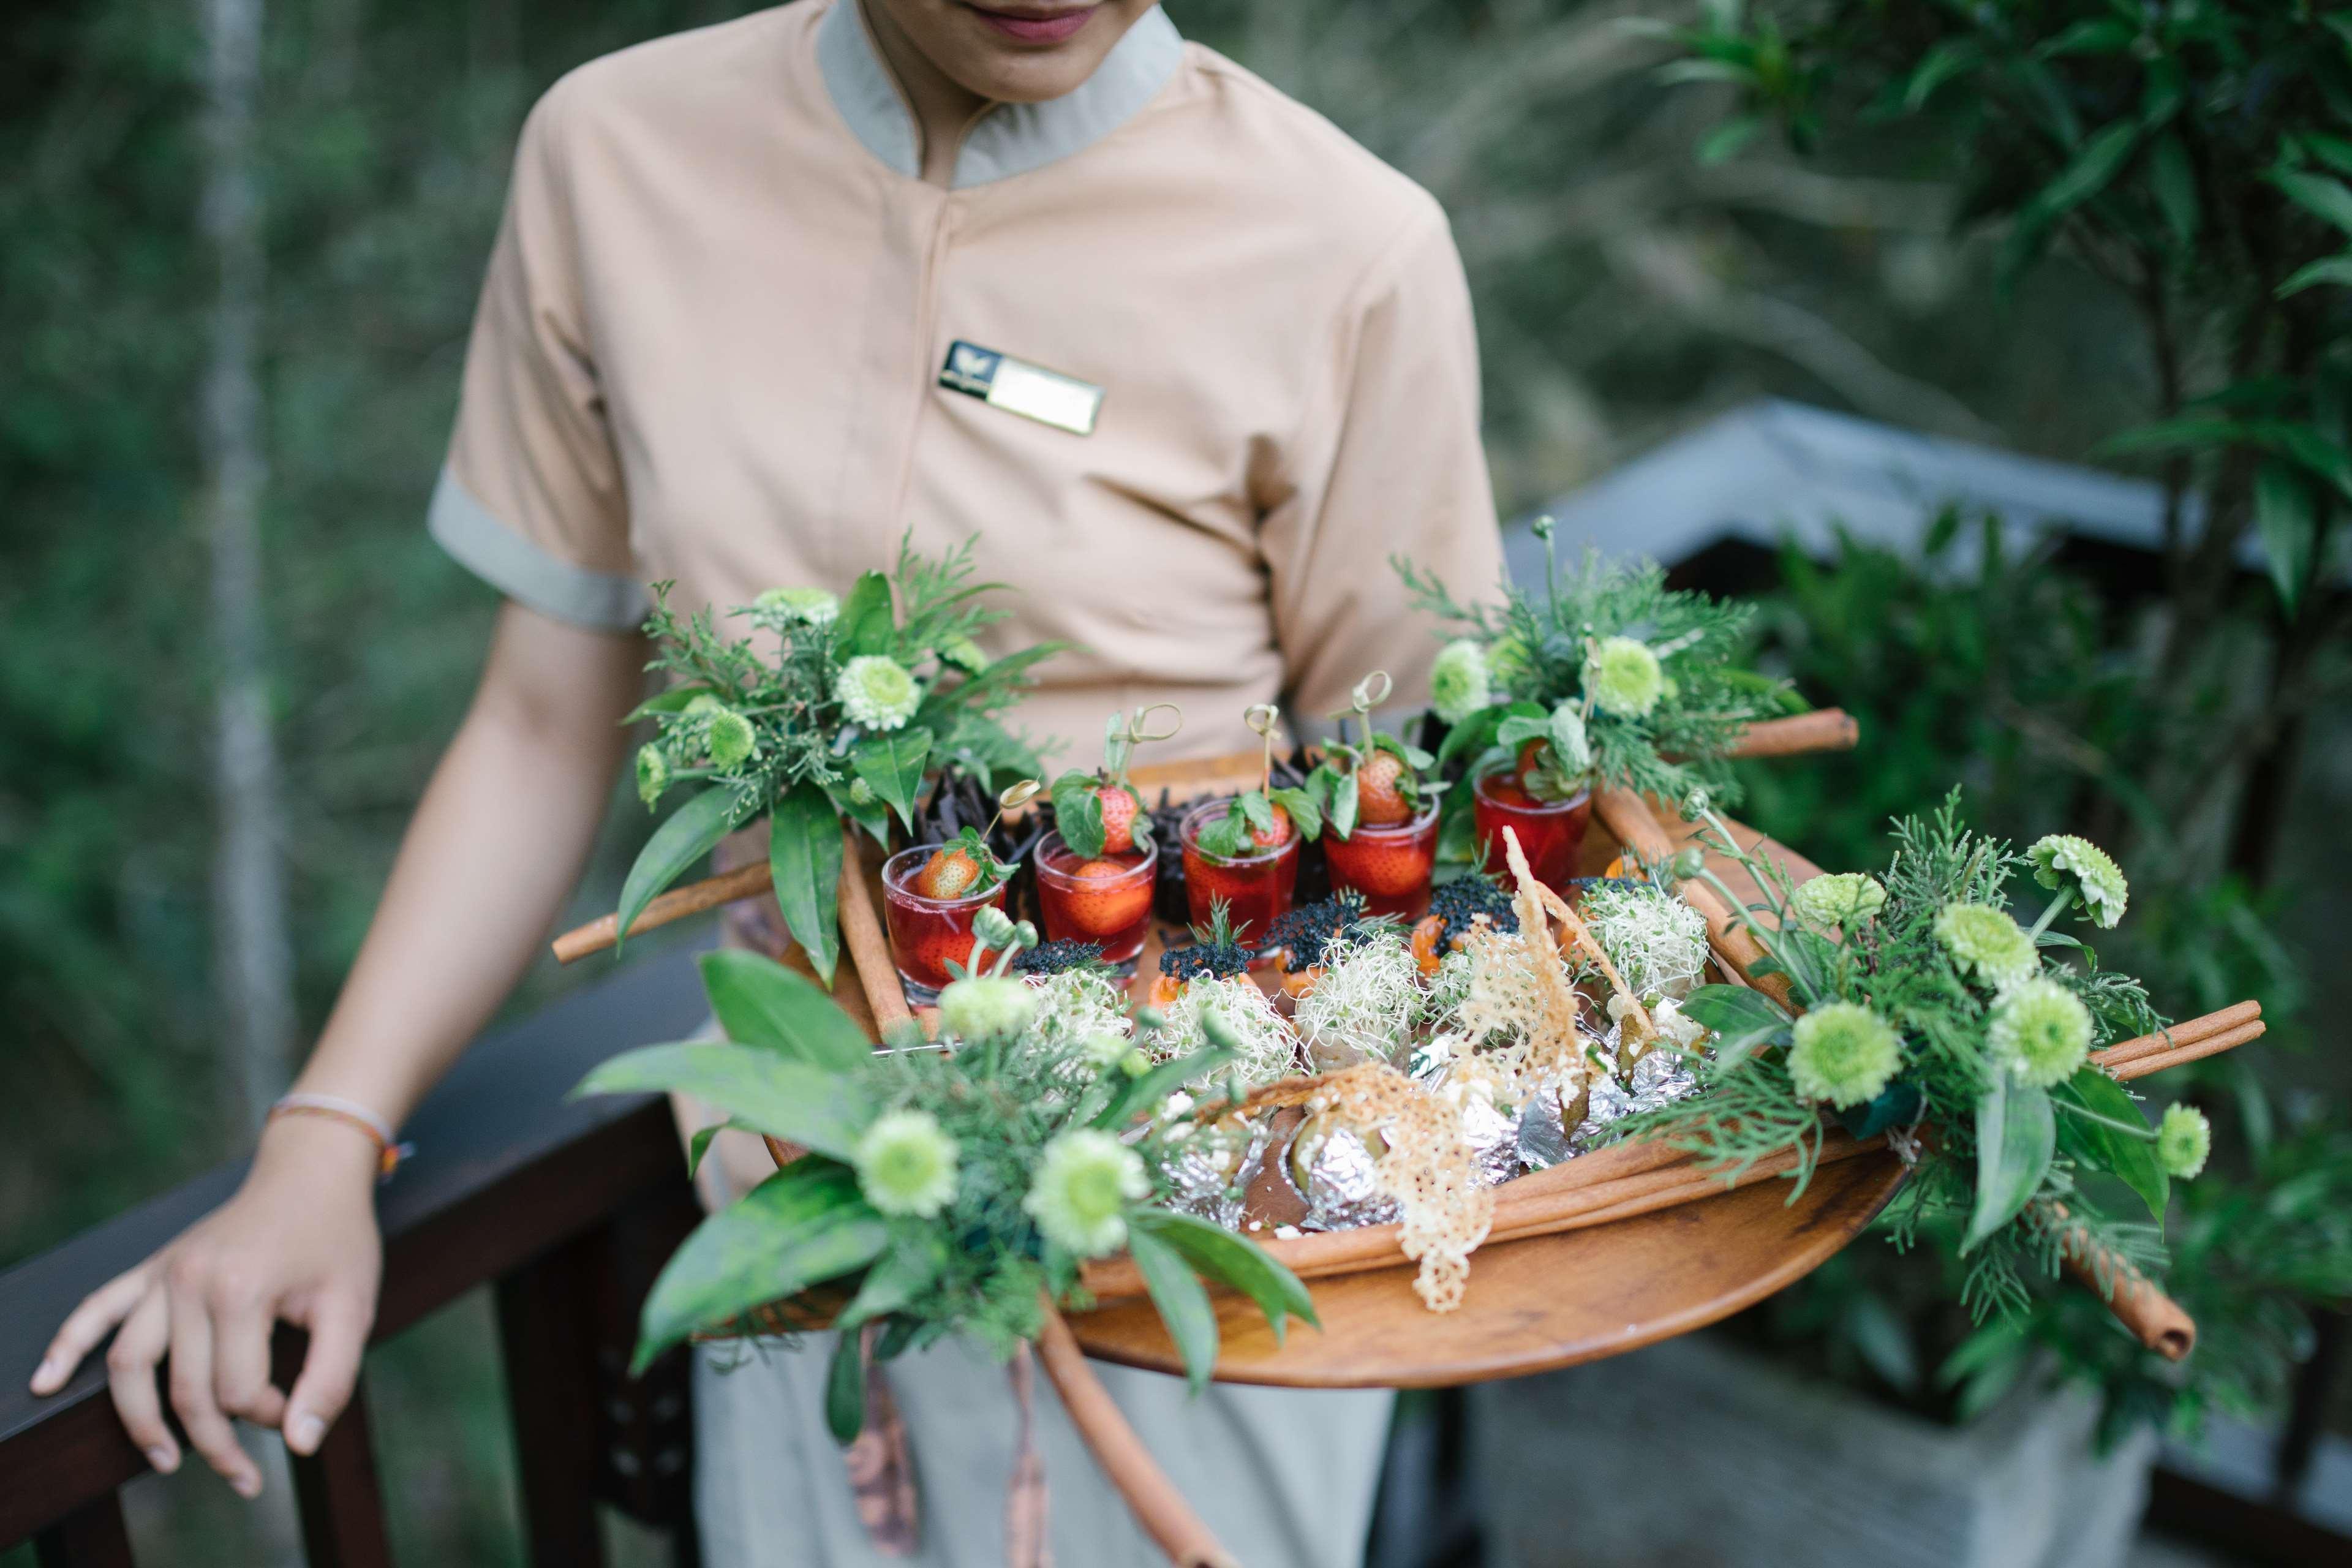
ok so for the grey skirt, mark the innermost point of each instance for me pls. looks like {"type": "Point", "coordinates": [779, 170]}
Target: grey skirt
{"type": "Point", "coordinates": [1285, 1477]}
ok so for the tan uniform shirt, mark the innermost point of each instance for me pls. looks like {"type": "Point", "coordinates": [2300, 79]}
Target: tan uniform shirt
{"type": "Point", "coordinates": [711, 342]}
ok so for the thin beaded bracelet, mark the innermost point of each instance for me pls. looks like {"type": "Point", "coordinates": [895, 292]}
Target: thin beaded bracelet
{"type": "Point", "coordinates": [350, 1113]}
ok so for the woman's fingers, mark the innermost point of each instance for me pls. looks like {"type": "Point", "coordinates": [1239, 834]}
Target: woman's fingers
{"type": "Point", "coordinates": [240, 1339]}
{"type": "Point", "coordinates": [338, 1328]}
{"type": "Point", "coordinates": [87, 1324]}
{"type": "Point", "coordinates": [130, 1374]}
{"type": "Point", "coordinates": [209, 1432]}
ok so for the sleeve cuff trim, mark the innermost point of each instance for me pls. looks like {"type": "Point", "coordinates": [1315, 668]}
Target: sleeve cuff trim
{"type": "Point", "coordinates": [494, 551]}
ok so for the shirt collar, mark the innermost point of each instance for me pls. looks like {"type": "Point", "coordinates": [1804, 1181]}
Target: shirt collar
{"type": "Point", "coordinates": [1011, 138]}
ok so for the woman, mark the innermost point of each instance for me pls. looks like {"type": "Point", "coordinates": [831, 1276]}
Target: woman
{"type": "Point", "coordinates": [1190, 364]}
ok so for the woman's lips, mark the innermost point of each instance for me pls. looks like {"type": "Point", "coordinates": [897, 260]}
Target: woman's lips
{"type": "Point", "coordinates": [1036, 27]}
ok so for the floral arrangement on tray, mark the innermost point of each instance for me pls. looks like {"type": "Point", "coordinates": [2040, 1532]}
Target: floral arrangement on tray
{"type": "Point", "coordinates": [839, 711]}
{"type": "Point", "coordinates": [951, 1185]}
{"type": "Point", "coordinates": [1930, 1014]}
{"type": "Point", "coordinates": [1610, 679]}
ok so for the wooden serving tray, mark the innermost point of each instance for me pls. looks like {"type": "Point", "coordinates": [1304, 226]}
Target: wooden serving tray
{"type": "Point", "coordinates": [1530, 1305]}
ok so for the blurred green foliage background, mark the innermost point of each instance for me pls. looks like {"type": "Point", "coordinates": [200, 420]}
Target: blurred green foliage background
{"type": "Point", "coordinates": [1626, 289]}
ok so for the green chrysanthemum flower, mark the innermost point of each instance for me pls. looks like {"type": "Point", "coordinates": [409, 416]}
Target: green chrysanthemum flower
{"type": "Point", "coordinates": [906, 1164]}
{"type": "Point", "coordinates": [653, 774]}
{"type": "Point", "coordinates": [2184, 1142]}
{"type": "Point", "coordinates": [731, 742]}
{"type": "Point", "coordinates": [1839, 898]}
{"type": "Point", "coordinates": [1986, 940]}
{"type": "Point", "coordinates": [1458, 682]}
{"type": "Point", "coordinates": [1508, 662]}
{"type": "Point", "coordinates": [877, 692]}
{"type": "Point", "coordinates": [1843, 1053]}
{"type": "Point", "coordinates": [2042, 1030]}
{"type": "Point", "coordinates": [2098, 880]}
{"type": "Point", "coordinates": [809, 606]}
{"type": "Point", "coordinates": [860, 793]}
{"type": "Point", "coordinates": [986, 1007]}
{"type": "Point", "coordinates": [1622, 677]}
{"type": "Point", "coordinates": [1080, 1193]}
{"type": "Point", "coordinates": [964, 654]}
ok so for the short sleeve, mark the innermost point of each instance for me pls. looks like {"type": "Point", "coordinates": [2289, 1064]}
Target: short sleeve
{"type": "Point", "coordinates": [1391, 466]}
{"type": "Point", "coordinates": [531, 498]}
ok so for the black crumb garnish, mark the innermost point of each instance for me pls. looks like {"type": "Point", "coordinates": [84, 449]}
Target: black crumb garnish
{"type": "Point", "coordinates": [1060, 957]}
{"type": "Point", "coordinates": [1204, 960]}
{"type": "Point", "coordinates": [1306, 932]}
{"type": "Point", "coordinates": [1461, 901]}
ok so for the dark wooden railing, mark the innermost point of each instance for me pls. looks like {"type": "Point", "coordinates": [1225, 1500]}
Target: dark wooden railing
{"type": "Point", "coordinates": [568, 1206]}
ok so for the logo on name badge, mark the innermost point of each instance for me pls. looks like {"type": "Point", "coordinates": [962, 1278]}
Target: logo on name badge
{"type": "Point", "coordinates": [1019, 387]}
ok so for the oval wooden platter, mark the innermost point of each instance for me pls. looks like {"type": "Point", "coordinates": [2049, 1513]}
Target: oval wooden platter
{"type": "Point", "coordinates": [1532, 1305]}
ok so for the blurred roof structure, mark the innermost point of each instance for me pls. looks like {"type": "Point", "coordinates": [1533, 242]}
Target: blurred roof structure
{"type": "Point", "coordinates": [1773, 469]}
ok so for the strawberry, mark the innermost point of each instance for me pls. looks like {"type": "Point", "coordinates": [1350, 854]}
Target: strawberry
{"type": "Point", "coordinates": [1379, 802]}
{"type": "Point", "coordinates": [950, 873]}
{"type": "Point", "coordinates": [1119, 808]}
{"type": "Point", "coordinates": [1280, 833]}
{"type": "Point", "coordinates": [1111, 907]}
{"type": "Point", "coordinates": [930, 948]}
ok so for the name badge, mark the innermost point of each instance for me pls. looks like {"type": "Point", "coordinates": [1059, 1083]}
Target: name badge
{"type": "Point", "coordinates": [1019, 387]}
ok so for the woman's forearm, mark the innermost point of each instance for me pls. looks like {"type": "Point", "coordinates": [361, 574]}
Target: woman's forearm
{"type": "Point", "coordinates": [495, 847]}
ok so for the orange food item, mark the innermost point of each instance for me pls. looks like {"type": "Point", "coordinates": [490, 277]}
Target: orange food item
{"type": "Point", "coordinates": [1165, 989]}
{"type": "Point", "coordinates": [1297, 985]}
{"type": "Point", "coordinates": [1427, 932]}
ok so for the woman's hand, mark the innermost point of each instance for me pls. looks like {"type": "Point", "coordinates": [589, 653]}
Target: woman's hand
{"type": "Point", "coordinates": [299, 1242]}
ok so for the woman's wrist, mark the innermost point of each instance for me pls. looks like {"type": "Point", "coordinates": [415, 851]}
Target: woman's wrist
{"type": "Point", "coordinates": [316, 1146]}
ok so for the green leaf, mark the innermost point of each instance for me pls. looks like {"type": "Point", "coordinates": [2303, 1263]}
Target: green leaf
{"type": "Point", "coordinates": [1182, 1301]}
{"type": "Point", "coordinates": [804, 858]}
{"type": "Point", "coordinates": [1941, 64]}
{"type": "Point", "coordinates": [1470, 737]}
{"type": "Point", "coordinates": [2175, 434]}
{"type": "Point", "coordinates": [1077, 815]}
{"type": "Point", "coordinates": [804, 1104]}
{"type": "Point", "coordinates": [2083, 178]}
{"type": "Point", "coordinates": [2130, 1159]}
{"type": "Point", "coordinates": [892, 763]}
{"type": "Point", "coordinates": [1305, 815]}
{"type": "Point", "coordinates": [2093, 36]}
{"type": "Point", "coordinates": [900, 1276]}
{"type": "Point", "coordinates": [2289, 526]}
{"type": "Point", "coordinates": [1745, 1018]}
{"type": "Point", "coordinates": [1519, 729]}
{"type": "Point", "coordinates": [873, 817]}
{"type": "Point", "coordinates": [1257, 810]}
{"type": "Point", "coordinates": [689, 833]}
{"type": "Point", "coordinates": [759, 1002]}
{"type": "Point", "coordinates": [844, 1389]}
{"type": "Point", "coordinates": [2174, 184]}
{"type": "Point", "coordinates": [2016, 1139]}
{"type": "Point", "coordinates": [2332, 151]}
{"type": "Point", "coordinates": [803, 1226]}
{"type": "Point", "coordinates": [1232, 1259]}
{"type": "Point", "coordinates": [1139, 1094]}
{"type": "Point", "coordinates": [866, 623]}
{"type": "Point", "coordinates": [1723, 142]}
{"type": "Point", "coordinates": [1347, 800]}
{"type": "Point", "coordinates": [698, 1145]}
{"type": "Point", "coordinates": [1897, 1105]}
{"type": "Point", "coordinates": [2317, 195]}
{"type": "Point", "coordinates": [2335, 269]}
{"type": "Point", "coordinates": [669, 701]}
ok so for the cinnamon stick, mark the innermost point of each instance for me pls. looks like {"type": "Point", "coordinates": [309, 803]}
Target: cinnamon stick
{"type": "Point", "coordinates": [1636, 826]}
{"type": "Point", "coordinates": [1822, 729]}
{"type": "Point", "coordinates": [1156, 1503]}
{"type": "Point", "coordinates": [2155, 1319]}
{"type": "Point", "coordinates": [862, 942]}
{"type": "Point", "coordinates": [675, 905]}
{"type": "Point", "coordinates": [2186, 1033]}
{"type": "Point", "coordinates": [2212, 1046]}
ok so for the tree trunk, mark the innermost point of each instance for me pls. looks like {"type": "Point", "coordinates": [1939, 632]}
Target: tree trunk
{"type": "Point", "coordinates": [254, 969]}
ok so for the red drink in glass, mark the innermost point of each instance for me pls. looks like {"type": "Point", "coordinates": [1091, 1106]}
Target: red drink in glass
{"type": "Point", "coordinates": [1254, 888]}
{"type": "Point", "coordinates": [925, 932]}
{"type": "Point", "coordinates": [1550, 832]}
{"type": "Point", "coordinates": [1106, 900]}
{"type": "Point", "coordinates": [1390, 865]}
